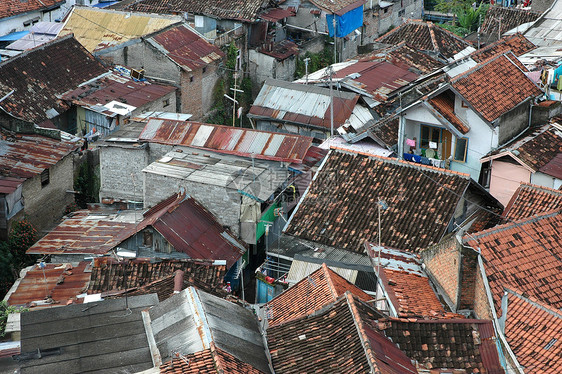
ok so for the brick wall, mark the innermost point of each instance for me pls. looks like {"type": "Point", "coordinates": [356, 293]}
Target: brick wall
{"type": "Point", "coordinates": [481, 305]}
{"type": "Point", "coordinates": [442, 263]}
{"type": "Point", "coordinates": [469, 268]}
{"type": "Point", "coordinates": [46, 204]}
{"type": "Point", "coordinates": [191, 99]}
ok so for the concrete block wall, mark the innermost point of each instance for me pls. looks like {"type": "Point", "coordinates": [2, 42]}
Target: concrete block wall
{"type": "Point", "coordinates": [443, 262]}
{"type": "Point", "coordinates": [121, 172]}
{"type": "Point", "coordinates": [45, 205]}
{"type": "Point", "coordinates": [215, 198]}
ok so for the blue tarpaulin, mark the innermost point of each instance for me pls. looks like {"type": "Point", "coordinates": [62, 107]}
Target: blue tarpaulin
{"type": "Point", "coordinates": [13, 36]}
{"type": "Point", "coordinates": [346, 23]}
{"type": "Point", "coordinates": [105, 4]}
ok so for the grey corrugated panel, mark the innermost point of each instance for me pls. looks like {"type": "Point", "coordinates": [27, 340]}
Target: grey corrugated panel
{"type": "Point", "coordinates": [202, 135]}
{"type": "Point", "coordinates": [235, 138]}
{"type": "Point", "coordinates": [274, 144]}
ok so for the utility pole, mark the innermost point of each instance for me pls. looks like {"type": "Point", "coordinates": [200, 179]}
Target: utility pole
{"type": "Point", "coordinates": [335, 49]}
{"type": "Point", "coordinates": [306, 61]}
{"type": "Point", "coordinates": [330, 71]}
{"type": "Point", "coordinates": [236, 68]}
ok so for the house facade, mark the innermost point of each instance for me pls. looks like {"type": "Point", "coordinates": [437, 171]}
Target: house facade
{"type": "Point", "coordinates": [455, 125]}
{"type": "Point", "coordinates": [16, 15]}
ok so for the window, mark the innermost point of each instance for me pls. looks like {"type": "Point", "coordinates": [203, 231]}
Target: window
{"type": "Point", "coordinates": [430, 134]}
{"type": "Point", "coordinates": [464, 104]}
{"type": "Point", "coordinates": [166, 103]}
{"type": "Point", "coordinates": [44, 177]}
{"type": "Point", "coordinates": [191, 79]}
{"type": "Point", "coordinates": [204, 69]}
{"type": "Point", "coordinates": [460, 149]}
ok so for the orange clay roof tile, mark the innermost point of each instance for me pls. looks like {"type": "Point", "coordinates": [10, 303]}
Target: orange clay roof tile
{"type": "Point", "coordinates": [530, 199]}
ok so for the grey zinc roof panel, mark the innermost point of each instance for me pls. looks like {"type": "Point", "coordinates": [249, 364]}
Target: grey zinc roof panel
{"type": "Point", "coordinates": [202, 136]}
{"type": "Point", "coordinates": [151, 127]}
{"type": "Point", "coordinates": [234, 139]}
{"type": "Point", "coordinates": [259, 142]}
{"type": "Point", "coordinates": [274, 145]}
{"type": "Point", "coordinates": [92, 337]}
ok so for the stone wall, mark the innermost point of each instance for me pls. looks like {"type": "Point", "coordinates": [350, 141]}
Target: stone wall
{"type": "Point", "coordinates": [214, 198]}
{"type": "Point", "coordinates": [46, 204]}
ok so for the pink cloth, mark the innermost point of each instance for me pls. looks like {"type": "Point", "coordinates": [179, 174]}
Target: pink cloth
{"type": "Point", "coordinates": [411, 142]}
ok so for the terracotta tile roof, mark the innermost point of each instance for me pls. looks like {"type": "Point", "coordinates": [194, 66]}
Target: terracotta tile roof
{"type": "Point", "coordinates": [498, 76]}
{"type": "Point", "coordinates": [339, 339]}
{"type": "Point", "coordinates": [407, 285]}
{"type": "Point", "coordinates": [539, 148]}
{"type": "Point", "coordinates": [25, 155]}
{"type": "Point", "coordinates": [533, 331]}
{"type": "Point", "coordinates": [186, 48]}
{"type": "Point", "coordinates": [515, 43]}
{"type": "Point", "coordinates": [425, 36]}
{"type": "Point", "coordinates": [146, 276]}
{"type": "Point", "coordinates": [530, 199]}
{"type": "Point", "coordinates": [405, 54]}
{"type": "Point", "coordinates": [208, 361]}
{"type": "Point", "coordinates": [445, 105]}
{"type": "Point", "coordinates": [460, 344]}
{"type": "Point", "coordinates": [38, 75]}
{"type": "Point", "coordinates": [340, 207]}
{"type": "Point", "coordinates": [60, 283]}
{"type": "Point", "coordinates": [241, 10]}
{"type": "Point", "coordinates": [322, 287]}
{"type": "Point", "coordinates": [510, 19]}
{"type": "Point", "coordinates": [9, 8]}
{"type": "Point", "coordinates": [526, 255]}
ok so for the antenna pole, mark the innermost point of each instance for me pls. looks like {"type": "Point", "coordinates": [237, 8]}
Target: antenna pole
{"type": "Point", "coordinates": [331, 103]}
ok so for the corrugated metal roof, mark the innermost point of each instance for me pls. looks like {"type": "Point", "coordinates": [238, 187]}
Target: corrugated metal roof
{"type": "Point", "coordinates": [300, 269]}
{"type": "Point", "coordinates": [186, 48]}
{"type": "Point", "coordinates": [9, 185]}
{"type": "Point", "coordinates": [24, 156]}
{"type": "Point", "coordinates": [59, 282]}
{"type": "Point", "coordinates": [206, 319]}
{"type": "Point", "coordinates": [224, 139]}
{"type": "Point", "coordinates": [40, 33]}
{"type": "Point", "coordinates": [304, 104]}
{"type": "Point", "coordinates": [97, 29]}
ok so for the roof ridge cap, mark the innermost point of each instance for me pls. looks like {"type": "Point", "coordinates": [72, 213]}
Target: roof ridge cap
{"type": "Point", "coordinates": [516, 223]}
{"type": "Point", "coordinates": [431, 28]}
{"type": "Point", "coordinates": [402, 162]}
{"type": "Point", "coordinates": [533, 301]}
{"type": "Point", "coordinates": [327, 272]}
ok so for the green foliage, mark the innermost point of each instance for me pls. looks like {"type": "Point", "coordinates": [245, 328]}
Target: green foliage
{"type": "Point", "coordinates": [460, 31]}
{"type": "Point", "coordinates": [86, 185]}
{"type": "Point", "coordinates": [221, 111]}
{"type": "Point", "coordinates": [470, 17]}
{"type": "Point", "coordinates": [317, 61]}
{"type": "Point", "coordinates": [6, 309]}
{"type": "Point", "coordinates": [12, 252]}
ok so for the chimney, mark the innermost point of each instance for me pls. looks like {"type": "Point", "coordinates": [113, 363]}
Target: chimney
{"type": "Point", "coordinates": [178, 281]}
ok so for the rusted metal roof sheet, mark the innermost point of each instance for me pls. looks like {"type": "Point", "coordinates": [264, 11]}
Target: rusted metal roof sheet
{"type": "Point", "coordinates": [302, 104]}
{"type": "Point", "coordinates": [97, 29]}
{"type": "Point", "coordinates": [84, 233]}
{"type": "Point", "coordinates": [120, 88]}
{"type": "Point", "coordinates": [60, 283]}
{"type": "Point", "coordinates": [24, 156]}
{"type": "Point", "coordinates": [186, 48]}
{"type": "Point", "coordinates": [9, 185]}
{"type": "Point", "coordinates": [276, 14]}
{"type": "Point", "coordinates": [224, 139]}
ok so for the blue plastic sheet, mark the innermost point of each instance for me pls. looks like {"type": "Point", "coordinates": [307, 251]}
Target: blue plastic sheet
{"type": "Point", "coordinates": [346, 23]}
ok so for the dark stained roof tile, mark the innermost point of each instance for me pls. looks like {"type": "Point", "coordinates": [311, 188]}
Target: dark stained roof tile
{"type": "Point", "coordinates": [241, 10]}
{"type": "Point", "coordinates": [340, 207]}
{"type": "Point", "coordinates": [460, 344]}
{"type": "Point", "coordinates": [425, 36]}
{"type": "Point", "coordinates": [405, 54]}
{"type": "Point", "coordinates": [515, 43]}
{"type": "Point", "coordinates": [510, 19]}
{"type": "Point", "coordinates": [530, 199]}
{"type": "Point", "coordinates": [38, 75]}
{"type": "Point", "coordinates": [445, 105]}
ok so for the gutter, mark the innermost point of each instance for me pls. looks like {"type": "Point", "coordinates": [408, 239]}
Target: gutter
{"type": "Point", "coordinates": [496, 323]}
